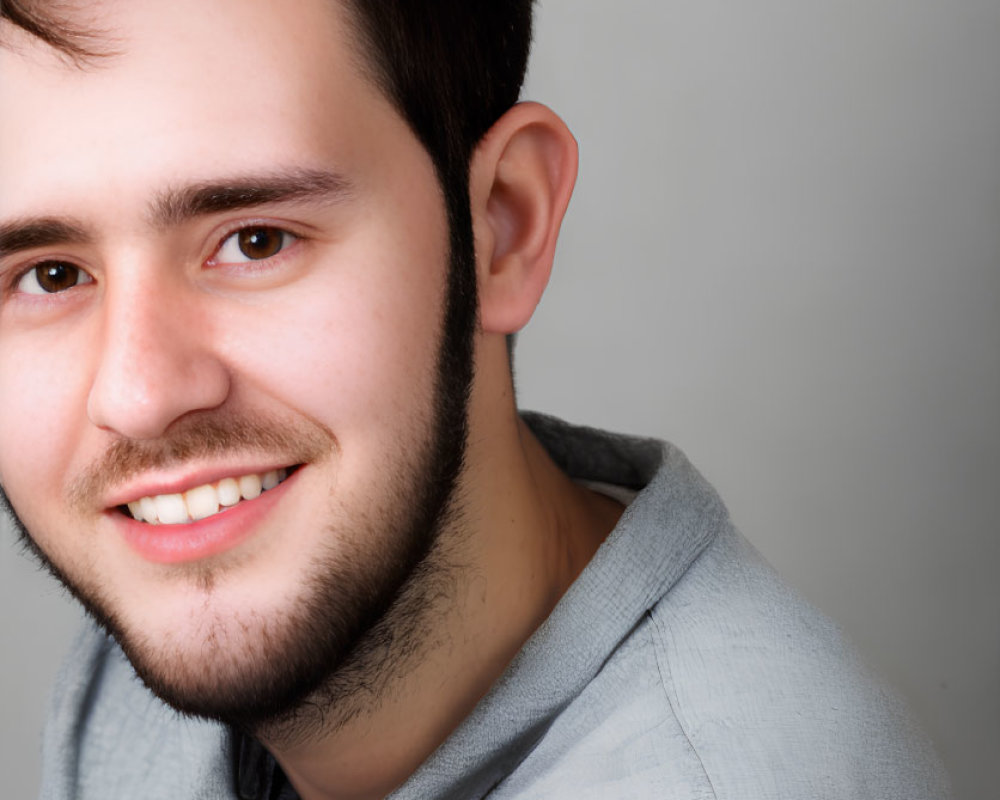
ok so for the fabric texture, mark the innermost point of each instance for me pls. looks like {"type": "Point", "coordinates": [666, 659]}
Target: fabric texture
{"type": "Point", "coordinates": [678, 665]}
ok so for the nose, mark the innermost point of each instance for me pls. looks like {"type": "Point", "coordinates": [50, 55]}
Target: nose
{"type": "Point", "coordinates": [157, 361]}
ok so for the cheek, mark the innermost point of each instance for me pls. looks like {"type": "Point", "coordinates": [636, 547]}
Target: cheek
{"type": "Point", "coordinates": [355, 345]}
{"type": "Point", "coordinates": [42, 425]}
{"type": "Point", "coordinates": [42, 413]}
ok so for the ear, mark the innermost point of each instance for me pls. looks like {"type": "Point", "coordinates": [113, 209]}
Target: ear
{"type": "Point", "coordinates": [520, 180]}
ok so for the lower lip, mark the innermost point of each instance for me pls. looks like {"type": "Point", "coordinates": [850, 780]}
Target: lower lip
{"type": "Point", "coordinates": [194, 541]}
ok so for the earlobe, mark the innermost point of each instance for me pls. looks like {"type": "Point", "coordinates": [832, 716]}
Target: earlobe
{"type": "Point", "coordinates": [521, 178]}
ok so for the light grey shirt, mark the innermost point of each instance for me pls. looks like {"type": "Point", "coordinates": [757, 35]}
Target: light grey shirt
{"type": "Point", "coordinates": [678, 665]}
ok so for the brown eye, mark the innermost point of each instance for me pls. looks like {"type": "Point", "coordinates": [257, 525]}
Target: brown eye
{"type": "Point", "coordinates": [253, 243]}
{"type": "Point", "coordinates": [51, 277]}
{"type": "Point", "coordinates": [258, 243]}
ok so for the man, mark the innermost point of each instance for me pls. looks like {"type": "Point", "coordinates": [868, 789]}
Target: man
{"type": "Point", "coordinates": [260, 265]}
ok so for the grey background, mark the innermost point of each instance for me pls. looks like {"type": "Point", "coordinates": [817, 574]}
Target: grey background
{"type": "Point", "coordinates": [784, 255]}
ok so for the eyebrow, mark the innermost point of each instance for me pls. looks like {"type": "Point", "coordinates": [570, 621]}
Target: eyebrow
{"type": "Point", "coordinates": [25, 234]}
{"type": "Point", "coordinates": [175, 206]}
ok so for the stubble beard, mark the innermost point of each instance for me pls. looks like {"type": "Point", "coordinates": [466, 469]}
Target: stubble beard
{"type": "Point", "coordinates": [364, 617]}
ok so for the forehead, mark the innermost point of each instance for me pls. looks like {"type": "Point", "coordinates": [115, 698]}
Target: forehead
{"type": "Point", "coordinates": [151, 27]}
{"type": "Point", "coordinates": [192, 87]}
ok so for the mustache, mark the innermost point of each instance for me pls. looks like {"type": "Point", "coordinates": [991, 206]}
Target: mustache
{"type": "Point", "coordinates": [200, 437]}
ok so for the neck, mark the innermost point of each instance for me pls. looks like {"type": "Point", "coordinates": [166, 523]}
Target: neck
{"type": "Point", "coordinates": [501, 564]}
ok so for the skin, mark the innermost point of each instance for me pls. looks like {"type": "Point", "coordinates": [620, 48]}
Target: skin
{"type": "Point", "coordinates": [332, 344]}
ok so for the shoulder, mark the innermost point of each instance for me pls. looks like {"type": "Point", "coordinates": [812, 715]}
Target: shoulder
{"type": "Point", "coordinates": [107, 736]}
{"type": "Point", "coordinates": [772, 697]}
{"type": "Point", "coordinates": [732, 687]}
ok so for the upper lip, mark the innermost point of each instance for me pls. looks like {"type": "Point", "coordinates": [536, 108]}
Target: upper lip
{"type": "Point", "coordinates": [179, 481]}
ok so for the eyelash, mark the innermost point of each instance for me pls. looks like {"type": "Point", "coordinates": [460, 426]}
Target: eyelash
{"type": "Point", "coordinates": [11, 286]}
{"type": "Point", "coordinates": [287, 241]}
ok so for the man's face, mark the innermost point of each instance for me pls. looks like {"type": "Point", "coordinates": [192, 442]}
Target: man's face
{"type": "Point", "coordinates": [229, 258]}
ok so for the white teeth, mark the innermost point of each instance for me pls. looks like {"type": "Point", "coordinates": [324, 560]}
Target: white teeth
{"type": "Point", "coordinates": [148, 509]}
{"type": "Point", "coordinates": [250, 486]}
{"type": "Point", "coordinates": [203, 501]}
{"type": "Point", "coordinates": [170, 509]}
{"type": "Point", "coordinates": [229, 492]}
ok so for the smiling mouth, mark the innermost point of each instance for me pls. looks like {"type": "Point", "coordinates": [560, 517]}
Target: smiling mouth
{"type": "Point", "coordinates": [203, 501]}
